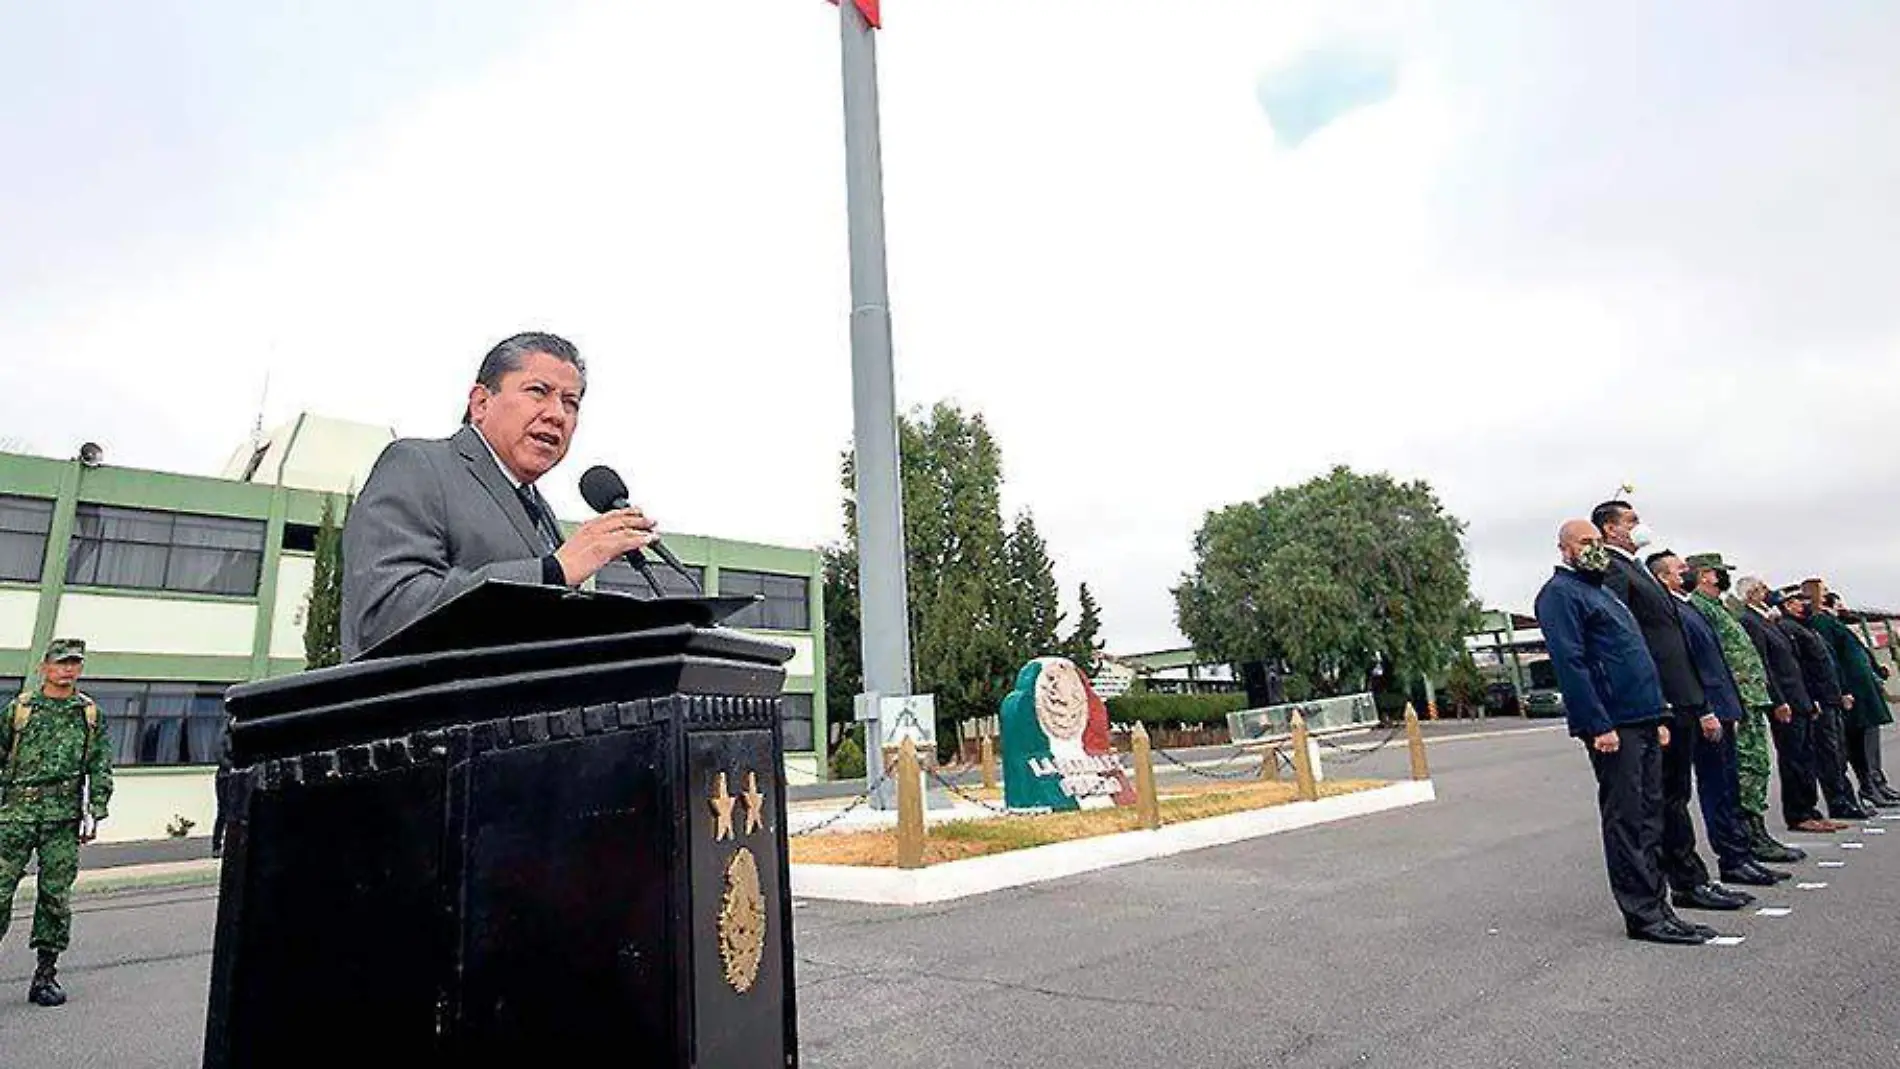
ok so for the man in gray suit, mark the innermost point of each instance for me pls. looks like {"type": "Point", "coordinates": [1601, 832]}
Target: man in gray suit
{"type": "Point", "coordinates": [438, 517]}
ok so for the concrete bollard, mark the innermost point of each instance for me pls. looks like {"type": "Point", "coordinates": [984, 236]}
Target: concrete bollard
{"type": "Point", "coordinates": [989, 763]}
{"type": "Point", "coordinates": [1303, 762]}
{"type": "Point", "coordinates": [1415, 741]}
{"type": "Point", "coordinates": [1147, 801]}
{"type": "Point", "coordinates": [910, 807]}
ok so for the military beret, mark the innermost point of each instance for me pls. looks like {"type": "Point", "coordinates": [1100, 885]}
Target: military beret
{"type": "Point", "coordinates": [66, 649]}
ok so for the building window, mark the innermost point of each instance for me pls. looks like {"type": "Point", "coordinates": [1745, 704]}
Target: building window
{"type": "Point", "coordinates": [620, 577]}
{"type": "Point", "coordinates": [11, 687]}
{"type": "Point", "coordinates": [300, 537]}
{"type": "Point", "coordinates": [24, 522]}
{"type": "Point", "coordinates": [787, 604]}
{"type": "Point", "coordinates": [797, 721]}
{"type": "Point", "coordinates": [147, 550]}
{"type": "Point", "coordinates": [161, 723]}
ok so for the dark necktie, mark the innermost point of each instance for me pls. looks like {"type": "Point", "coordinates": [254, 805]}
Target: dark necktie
{"type": "Point", "coordinates": [539, 516]}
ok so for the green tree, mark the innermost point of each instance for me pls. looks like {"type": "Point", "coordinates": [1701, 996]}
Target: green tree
{"type": "Point", "coordinates": [1030, 603]}
{"type": "Point", "coordinates": [1084, 646]}
{"type": "Point", "coordinates": [1464, 685]}
{"type": "Point", "coordinates": [1333, 577]}
{"type": "Point", "coordinates": [323, 613]}
{"type": "Point", "coordinates": [983, 597]}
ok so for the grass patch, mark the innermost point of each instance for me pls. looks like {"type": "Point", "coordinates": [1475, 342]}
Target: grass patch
{"type": "Point", "coordinates": [955, 840]}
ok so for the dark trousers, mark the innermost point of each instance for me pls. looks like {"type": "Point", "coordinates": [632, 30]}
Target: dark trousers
{"type": "Point", "coordinates": [1718, 787]}
{"type": "Point", "coordinates": [1876, 765]}
{"type": "Point", "coordinates": [1830, 762]}
{"type": "Point", "coordinates": [1794, 756]}
{"type": "Point", "coordinates": [1680, 863]}
{"type": "Point", "coordinates": [1854, 738]}
{"type": "Point", "coordinates": [1630, 803]}
{"type": "Point", "coordinates": [225, 785]}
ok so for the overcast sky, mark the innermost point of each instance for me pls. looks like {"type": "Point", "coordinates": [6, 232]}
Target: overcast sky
{"type": "Point", "coordinates": [1177, 253]}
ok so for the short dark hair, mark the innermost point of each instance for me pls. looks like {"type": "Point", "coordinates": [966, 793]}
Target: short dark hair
{"type": "Point", "coordinates": [1655, 561]}
{"type": "Point", "coordinates": [1609, 512]}
{"type": "Point", "coordinates": [513, 352]}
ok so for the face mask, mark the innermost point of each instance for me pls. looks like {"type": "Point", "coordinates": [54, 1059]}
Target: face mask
{"type": "Point", "coordinates": [1641, 535]}
{"type": "Point", "coordinates": [1593, 558]}
{"type": "Point", "coordinates": [1721, 582]}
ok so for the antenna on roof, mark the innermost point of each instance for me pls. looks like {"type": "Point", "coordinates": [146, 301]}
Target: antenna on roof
{"type": "Point", "coordinates": [257, 425]}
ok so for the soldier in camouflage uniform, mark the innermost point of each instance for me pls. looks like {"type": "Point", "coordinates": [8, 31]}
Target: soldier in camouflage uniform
{"type": "Point", "coordinates": [1751, 679]}
{"type": "Point", "coordinates": [54, 789]}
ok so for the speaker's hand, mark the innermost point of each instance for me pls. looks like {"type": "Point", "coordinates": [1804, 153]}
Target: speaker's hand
{"type": "Point", "coordinates": [601, 541]}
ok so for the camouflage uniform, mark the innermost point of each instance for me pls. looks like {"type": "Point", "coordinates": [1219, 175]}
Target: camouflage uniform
{"type": "Point", "coordinates": [1751, 679]}
{"type": "Point", "coordinates": [39, 806]}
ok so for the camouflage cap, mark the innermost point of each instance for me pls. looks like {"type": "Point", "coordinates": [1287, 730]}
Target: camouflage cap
{"type": "Point", "coordinates": [1708, 560]}
{"type": "Point", "coordinates": [66, 649]}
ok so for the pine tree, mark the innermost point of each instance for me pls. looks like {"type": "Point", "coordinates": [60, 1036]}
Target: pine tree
{"type": "Point", "coordinates": [1084, 645]}
{"type": "Point", "coordinates": [1030, 601]}
{"type": "Point", "coordinates": [323, 617]}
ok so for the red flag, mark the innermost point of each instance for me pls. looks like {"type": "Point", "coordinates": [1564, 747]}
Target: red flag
{"type": "Point", "coordinates": [869, 7]}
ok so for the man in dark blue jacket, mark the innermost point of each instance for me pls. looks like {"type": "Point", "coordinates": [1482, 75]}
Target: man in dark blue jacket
{"type": "Point", "coordinates": [1614, 704]}
{"type": "Point", "coordinates": [1717, 765]}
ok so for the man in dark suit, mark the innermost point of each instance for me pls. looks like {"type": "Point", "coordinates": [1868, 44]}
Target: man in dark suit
{"type": "Point", "coordinates": [1792, 720]}
{"type": "Point", "coordinates": [437, 518]}
{"type": "Point", "coordinates": [1689, 717]}
{"type": "Point", "coordinates": [1717, 765]}
{"type": "Point", "coordinates": [1615, 707]}
{"type": "Point", "coordinates": [1824, 686]}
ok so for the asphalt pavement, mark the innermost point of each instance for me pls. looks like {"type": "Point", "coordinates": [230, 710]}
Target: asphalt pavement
{"type": "Point", "coordinates": [1475, 931]}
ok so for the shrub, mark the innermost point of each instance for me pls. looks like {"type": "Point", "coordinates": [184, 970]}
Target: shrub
{"type": "Point", "coordinates": [1170, 710]}
{"type": "Point", "coordinates": [847, 761]}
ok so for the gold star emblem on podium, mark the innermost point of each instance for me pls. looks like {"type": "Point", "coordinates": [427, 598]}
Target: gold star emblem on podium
{"type": "Point", "coordinates": [754, 803]}
{"type": "Point", "coordinates": [722, 803]}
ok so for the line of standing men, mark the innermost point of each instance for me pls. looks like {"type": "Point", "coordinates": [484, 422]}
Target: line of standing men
{"type": "Point", "coordinates": [1670, 691]}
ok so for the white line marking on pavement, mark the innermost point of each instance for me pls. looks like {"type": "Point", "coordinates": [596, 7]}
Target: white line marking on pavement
{"type": "Point", "coordinates": [1875, 831]}
{"type": "Point", "coordinates": [1811, 886]}
{"type": "Point", "coordinates": [1831, 864]}
{"type": "Point", "coordinates": [1773, 911]}
{"type": "Point", "coordinates": [1727, 940]}
{"type": "Point", "coordinates": [1853, 846]}
{"type": "Point", "coordinates": [1890, 816]}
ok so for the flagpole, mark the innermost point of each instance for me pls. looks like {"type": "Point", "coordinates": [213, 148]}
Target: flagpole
{"type": "Point", "coordinates": [884, 611]}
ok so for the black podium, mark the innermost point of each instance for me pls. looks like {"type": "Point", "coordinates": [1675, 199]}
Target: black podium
{"type": "Point", "coordinates": [535, 826]}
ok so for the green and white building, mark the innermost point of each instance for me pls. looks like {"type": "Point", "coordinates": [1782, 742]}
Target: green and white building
{"type": "Point", "coordinates": [184, 585]}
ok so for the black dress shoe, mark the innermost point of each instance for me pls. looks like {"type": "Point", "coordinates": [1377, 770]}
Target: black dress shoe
{"type": "Point", "coordinates": [1850, 812]}
{"type": "Point", "coordinates": [1710, 896]}
{"type": "Point", "coordinates": [1760, 870]}
{"type": "Point", "coordinates": [1871, 801]}
{"type": "Point", "coordinates": [1700, 929]}
{"type": "Point", "coordinates": [1887, 792]}
{"type": "Point", "coordinates": [1669, 933]}
{"type": "Point", "coordinates": [1751, 875]}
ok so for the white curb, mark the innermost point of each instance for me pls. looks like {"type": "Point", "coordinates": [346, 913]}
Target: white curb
{"type": "Point", "coordinates": [1016, 868]}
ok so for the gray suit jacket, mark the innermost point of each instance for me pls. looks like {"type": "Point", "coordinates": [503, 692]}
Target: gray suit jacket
{"type": "Point", "coordinates": [435, 518]}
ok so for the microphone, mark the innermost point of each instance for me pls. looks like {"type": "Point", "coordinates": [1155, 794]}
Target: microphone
{"type": "Point", "coordinates": [604, 491]}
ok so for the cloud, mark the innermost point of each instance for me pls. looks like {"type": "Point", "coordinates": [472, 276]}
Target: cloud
{"type": "Point", "coordinates": [1322, 86]}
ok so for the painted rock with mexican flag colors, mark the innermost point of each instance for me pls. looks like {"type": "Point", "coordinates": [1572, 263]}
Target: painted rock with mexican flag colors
{"type": "Point", "coordinates": [1056, 750]}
